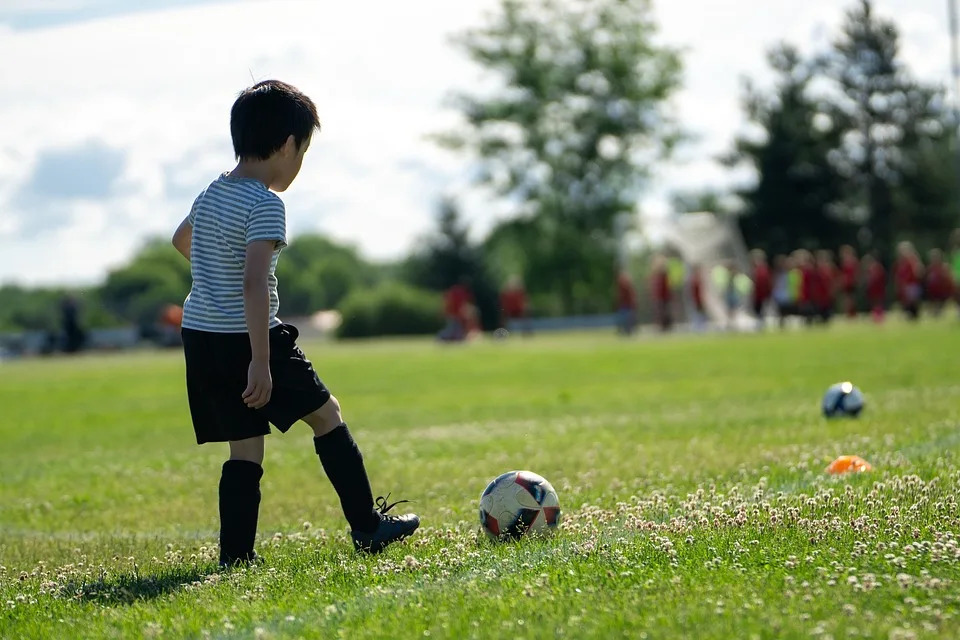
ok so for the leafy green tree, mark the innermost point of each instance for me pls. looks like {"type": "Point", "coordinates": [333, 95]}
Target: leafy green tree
{"type": "Point", "coordinates": [572, 134]}
{"type": "Point", "coordinates": [792, 202]}
{"type": "Point", "coordinates": [158, 275]}
{"type": "Point", "coordinates": [448, 256]}
{"type": "Point", "coordinates": [893, 134]}
{"type": "Point", "coordinates": [316, 273]}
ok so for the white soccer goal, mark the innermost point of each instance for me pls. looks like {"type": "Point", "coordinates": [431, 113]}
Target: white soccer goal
{"type": "Point", "coordinates": [709, 240]}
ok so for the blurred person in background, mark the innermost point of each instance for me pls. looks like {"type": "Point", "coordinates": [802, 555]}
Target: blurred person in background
{"type": "Point", "coordinates": [784, 291]}
{"type": "Point", "coordinates": [762, 285]}
{"type": "Point", "coordinates": [662, 292]}
{"type": "Point", "coordinates": [955, 264]}
{"type": "Point", "coordinates": [731, 294]}
{"type": "Point", "coordinates": [513, 305]}
{"type": "Point", "coordinates": [908, 277]}
{"type": "Point", "coordinates": [938, 283]}
{"type": "Point", "coordinates": [849, 280]}
{"type": "Point", "coordinates": [827, 280]}
{"type": "Point", "coordinates": [626, 304]}
{"type": "Point", "coordinates": [807, 286]}
{"type": "Point", "coordinates": [74, 336]}
{"type": "Point", "coordinates": [698, 312]}
{"type": "Point", "coordinates": [876, 287]}
{"type": "Point", "coordinates": [456, 302]}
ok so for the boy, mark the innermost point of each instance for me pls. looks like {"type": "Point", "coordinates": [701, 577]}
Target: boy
{"type": "Point", "coordinates": [244, 369]}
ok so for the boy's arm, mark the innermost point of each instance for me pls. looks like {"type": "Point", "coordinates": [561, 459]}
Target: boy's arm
{"type": "Point", "coordinates": [266, 232]}
{"type": "Point", "coordinates": [256, 296]}
{"type": "Point", "coordinates": [256, 309]}
{"type": "Point", "coordinates": [183, 237]}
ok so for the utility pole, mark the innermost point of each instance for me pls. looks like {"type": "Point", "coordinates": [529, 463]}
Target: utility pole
{"type": "Point", "coordinates": [955, 72]}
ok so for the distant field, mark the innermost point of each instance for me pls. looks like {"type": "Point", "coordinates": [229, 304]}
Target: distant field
{"type": "Point", "coordinates": [690, 471]}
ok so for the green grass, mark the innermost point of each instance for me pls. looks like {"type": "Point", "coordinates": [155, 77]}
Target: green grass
{"type": "Point", "coordinates": [690, 471]}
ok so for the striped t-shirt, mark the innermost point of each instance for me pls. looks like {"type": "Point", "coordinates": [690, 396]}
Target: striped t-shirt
{"type": "Point", "coordinates": [226, 217]}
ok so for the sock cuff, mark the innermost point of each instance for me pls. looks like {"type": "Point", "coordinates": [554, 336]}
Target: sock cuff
{"type": "Point", "coordinates": [242, 470]}
{"type": "Point", "coordinates": [339, 434]}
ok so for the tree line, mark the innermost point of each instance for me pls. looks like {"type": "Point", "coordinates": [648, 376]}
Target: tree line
{"type": "Point", "coordinates": [846, 147]}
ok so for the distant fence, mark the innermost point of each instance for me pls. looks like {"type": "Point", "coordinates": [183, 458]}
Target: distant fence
{"type": "Point", "coordinates": [30, 343]}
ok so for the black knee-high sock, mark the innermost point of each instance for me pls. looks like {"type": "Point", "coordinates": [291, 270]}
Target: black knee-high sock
{"type": "Point", "coordinates": [343, 464]}
{"type": "Point", "coordinates": [239, 509]}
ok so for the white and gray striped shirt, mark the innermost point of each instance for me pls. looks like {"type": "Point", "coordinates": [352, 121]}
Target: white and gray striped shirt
{"type": "Point", "coordinates": [226, 217]}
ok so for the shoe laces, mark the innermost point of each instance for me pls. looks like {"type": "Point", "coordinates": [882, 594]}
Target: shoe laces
{"type": "Point", "coordinates": [383, 507]}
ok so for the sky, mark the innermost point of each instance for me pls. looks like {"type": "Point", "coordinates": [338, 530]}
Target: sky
{"type": "Point", "coordinates": [116, 112]}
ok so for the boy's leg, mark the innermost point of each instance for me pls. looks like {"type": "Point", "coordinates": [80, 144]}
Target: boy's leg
{"type": "Point", "coordinates": [299, 394]}
{"type": "Point", "coordinates": [371, 530]}
{"type": "Point", "coordinates": [343, 464]}
{"type": "Point", "coordinates": [240, 501]}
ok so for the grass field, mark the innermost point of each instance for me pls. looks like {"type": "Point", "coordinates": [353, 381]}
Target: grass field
{"type": "Point", "coordinates": [690, 471]}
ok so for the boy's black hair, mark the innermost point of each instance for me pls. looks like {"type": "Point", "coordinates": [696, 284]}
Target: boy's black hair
{"type": "Point", "coordinates": [266, 114]}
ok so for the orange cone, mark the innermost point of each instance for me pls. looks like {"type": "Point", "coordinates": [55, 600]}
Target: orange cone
{"type": "Point", "coordinates": [848, 464]}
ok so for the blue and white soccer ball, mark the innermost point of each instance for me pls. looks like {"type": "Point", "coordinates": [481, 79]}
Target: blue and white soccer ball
{"type": "Point", "coordinates": [519, 504]}
{"type": "Point", "coordinates": [843, 400]}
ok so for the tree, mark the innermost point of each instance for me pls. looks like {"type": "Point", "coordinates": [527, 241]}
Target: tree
{"type": "Point", "coordinates": [892, 131]}
{"type": "Point", "coordinates": [447, 256]}
{"type": "Point", "coordinates": [156, 276]}
{"type": "Point", "coordinates": [316, 273]}
{"type": "Point", "coordinates": [696, 201]}
{"type": "Point", "coordinates": [792, 203]}
{"type": "Point", "coordinates": [572, 133]}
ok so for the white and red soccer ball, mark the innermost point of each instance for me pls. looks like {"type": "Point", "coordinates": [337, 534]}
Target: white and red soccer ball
{"type": "Point", "coordinates": [518, 504]}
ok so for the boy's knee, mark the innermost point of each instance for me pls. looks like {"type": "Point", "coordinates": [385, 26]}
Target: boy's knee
{"type": "Point", "coordinates": [250, 450]}
{"type": "Point", "coordinates": [326, 418]}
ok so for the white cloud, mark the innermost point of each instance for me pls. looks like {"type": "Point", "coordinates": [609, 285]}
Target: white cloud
{"type": "Point", "coordinates": [158, 87]}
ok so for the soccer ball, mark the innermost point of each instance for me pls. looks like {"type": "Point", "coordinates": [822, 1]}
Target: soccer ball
{"type": "Point", "coordinates": [517, 504]}
{"type": "Point", "coordinates": [842, 400]}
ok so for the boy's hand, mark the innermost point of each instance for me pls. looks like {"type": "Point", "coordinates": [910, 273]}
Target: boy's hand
{"type": "Point", "coordinates": [259, 384]}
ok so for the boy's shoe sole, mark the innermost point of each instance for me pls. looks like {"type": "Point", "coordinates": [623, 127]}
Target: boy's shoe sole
{"type": "Point", "coordinates": [254, 559]}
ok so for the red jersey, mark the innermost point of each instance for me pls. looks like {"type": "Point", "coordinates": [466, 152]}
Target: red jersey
{"type": "Point", "coordinates": [661, 285]}
{"type": "Point", "coordinates": [513, 302]}
{"type": "Point", "coordinates": [849, 270]}
{"type": "Point", "coordinates": [939, 282]}
{"type": "Point", "coordinates": [807, 285]}
{"type": "Point", "coordinates": [826, 280]}
{"type": "Point", "coordinates": [762, 283]}
{"type": "Point", "coordinates": [907, 272]}
{"type": "Point", "coordinates": [907, 275]}
{"type": "Point", "coordinates": [456, 299]}
{"type": "Point", "coordinates": [626, 295]}
{"type": "Point", "coordinates": [696, 291]}
{"type": "Point", "coordinates": [876, 283]}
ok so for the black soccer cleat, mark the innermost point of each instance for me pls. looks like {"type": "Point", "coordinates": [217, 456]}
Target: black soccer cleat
{"type": "Point", "coordinates": [391, 529]}
{"type": "Point", "coordinates": [235, 563]}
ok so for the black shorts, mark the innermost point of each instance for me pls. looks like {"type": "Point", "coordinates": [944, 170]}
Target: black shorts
{"type": "Point", "coordinates": [217, 366]}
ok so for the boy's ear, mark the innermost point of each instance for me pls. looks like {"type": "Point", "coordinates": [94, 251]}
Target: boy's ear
{"type": "Point", "coordinates": [290, 146]}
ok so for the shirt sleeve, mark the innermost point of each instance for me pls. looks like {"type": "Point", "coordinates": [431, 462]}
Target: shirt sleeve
{"type": "Point", "coordinates": [268, 221]}
{"type": "Point", "coordinates": [192, 216]}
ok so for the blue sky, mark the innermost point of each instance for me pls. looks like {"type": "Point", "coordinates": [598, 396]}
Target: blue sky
{"type": "Point", "coordinates": [116, 111]}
